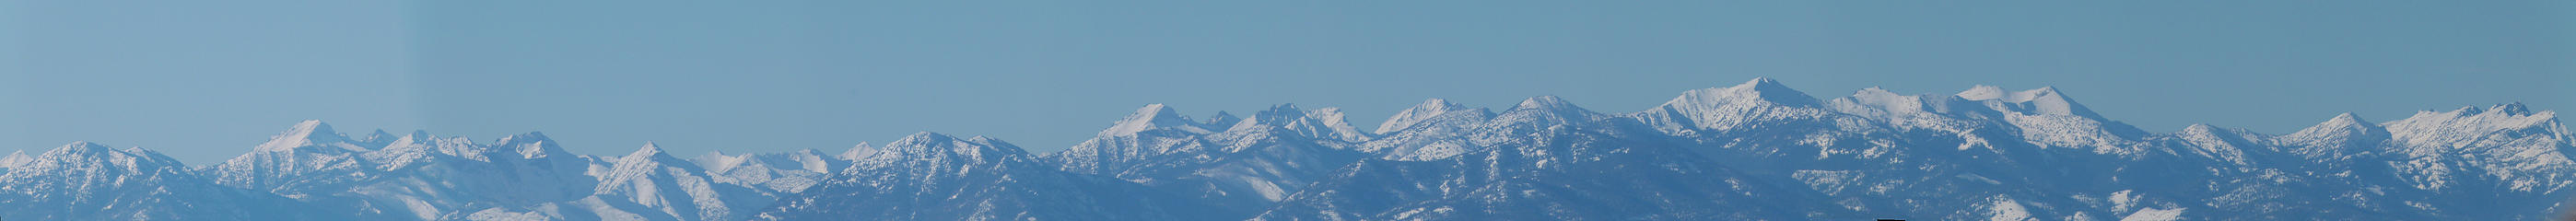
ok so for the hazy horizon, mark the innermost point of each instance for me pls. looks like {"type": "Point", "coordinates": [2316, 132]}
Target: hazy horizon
{"type": "Point", "coordinates": [205, 81]}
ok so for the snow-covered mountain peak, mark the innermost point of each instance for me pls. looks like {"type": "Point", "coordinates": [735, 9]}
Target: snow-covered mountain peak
{"type": "Point", "coordinates": [1340, 125]}
{"type": "Point", "coordinates": [858, 151]}
{"type": "Point", "coordinates": [2203, 129]}
{"type": "Point", "coordinates": [1988, 92]}
{"type": "Point", "coordinates": [1982, 92]}
{"type": "Point", "coordinates": [988, 141]}
{"type": "Point", "coordinates": [532, 145]}
{"type": "Point", "coordinates": [650, 149]}
{"type": "Point", "coordinates": [2345, 124]}
{"type": "Point", "coordinates": [1762, 91]}
{"type": "Point", "coordinates": [800, 159]}
{"type": "Point", "coordinates": [1754, 104]}
{"type": "Point", "coordinates": [1152, 117]}
{"type": "Point", "coordinates": [716, 160]}
{"type": "Point", "coordinates": [648, 156]}
{"type": "Point", "coordinates": [2346, 118]}
{"type": "Point", "coordinates": [84, 155]}
{"type": "Point", "coordinates": [2466, 124]}
{"type": "Point", "coordinates": [1944, 111]}
{"type": "Point", "coordinates": [1541, 112]}
{"type": "Point", "coordinates": [2042, 101]}
{"type": "Point", "coordinates": [415, 136]}
{"type": "Point", "coordinates": [2515, 108]}
{"type": "Point", "coordinates": [928, 148]}
{"type": "Point", "coordinates": [808, 152]}
{"type": "Point", "coordinates": [1221, 120]}
{"type": "Point", "coordinates": [2344, 134]}
{"type": "Point", "coordinates": [532, 137]}
{"type": "Point", "coordinates": [927, 143]}
{"type": "Point", "coordinates": [379, 136]}
{"type": "Point", "coordinates": [140, 151]}
{"type": "Point", "coordinates": [1875, 92]}
{"type": "Point", "coordinates": [1322, 123]}
{"type": "Point", "coordinates": [78, 148]}
{"type": "Point", "coordinates": [2042, 91]}
{"type": "Point", "coordinates": [1427, 110]}
{"type": "Point", "coordinates": [2508, 109]}
{"type": "Point", "coordinates": [88, 181]}
{"type": "Point", "coordinates": [2512, 114]}
{"type": "Point", "coordinates": [1270, 117]}
{"type": "Point", "coordinates": [15, 159]}
{"type": "Point", "coordinates": [417, 140]}
{"type": "Point", "coordinates": [1545, 102]}
{"type": "Point", "coordinates": [1879, 100]}
{"type": "Point", "coordinates": [1436, 105]}
{"type": "Point", "coordinates": [1770, 89]}
{"type": "Point", "coordinates": [304, 134]}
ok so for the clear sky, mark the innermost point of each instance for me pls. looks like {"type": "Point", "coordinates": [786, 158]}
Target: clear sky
{"type": "Point", "coordinates": [206, 80]}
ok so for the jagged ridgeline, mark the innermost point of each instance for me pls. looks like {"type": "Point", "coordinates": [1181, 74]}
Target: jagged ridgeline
{"type": "Point", "coordinates": [1753, 151]}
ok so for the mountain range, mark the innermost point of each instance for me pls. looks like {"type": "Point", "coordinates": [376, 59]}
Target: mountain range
{"type": "Point", "coordinates": [1752, 151]}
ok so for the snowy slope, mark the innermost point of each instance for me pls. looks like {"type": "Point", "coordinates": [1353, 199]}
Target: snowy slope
{"type": "Point", "coordinates": [1548, 160]}
{"type": "Point", "coordinates": [308, 149]}
{"type": "Point", "coordinates": [1756, 150]}
{"type": "Point", "coordinates": [87, 181]}
{"type": "Point", "coordinates": [929, 176]}
{"type": "Point", "coordinates": [776, 173]}
{"type": "Point", "coordinates": [1432, 130]}
{"type": "Point", "coordinates": [678, 188]}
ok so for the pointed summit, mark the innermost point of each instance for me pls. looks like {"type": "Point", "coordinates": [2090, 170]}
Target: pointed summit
{"type": "Point", "coordinates": [15, 159]}
{"type": "Point", "coordinates": [378, 136]}
{"type": "Point", "coordinates": [1151, 117]}
{"type": "Point", "coordinates": [1545, 102]}
{"type": "Point", "coordinates": [1766, 85]}
{"type": "Point", "coordinates": [2341, 133]}
{"type": "Point", "coordinates": [1542, 111]}
{"type": "Point", "coordinates": [2347, 119]}
{"type": "Point", "coordinates": [2341, 125]}
{"type": "Point", "coordinates": [650, 153]}
{"type": "Point", "coordinates": [2515, 108]}
{"type": "Point", "coordinates": [858, 152]}
{"type": "Point", "coordinates": [650, 149]}
{"type": "Point", "coordinates": [1768, 90]}
{"type": "Point", "coordinates": [1332, 121]}
{"type": "Point", "coordinates": [415, 140]}
{"type": "Point", "coordinates": [1222, 120]}
{"type": "Point", "coordinates": [307, 133]}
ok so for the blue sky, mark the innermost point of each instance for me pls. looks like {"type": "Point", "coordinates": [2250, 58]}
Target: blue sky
{"type": "Point", "coordinates": [207, 80]}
